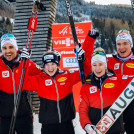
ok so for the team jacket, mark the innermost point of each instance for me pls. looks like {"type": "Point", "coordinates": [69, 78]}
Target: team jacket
{"type": "Point", "coordinates": [9, 80]}
{"type": "Point", "coordinates": [115, 64]}
{"type": "Point", "coordinates": [56, 98]}
{"type": "Point", "coordinates": [97, 95]}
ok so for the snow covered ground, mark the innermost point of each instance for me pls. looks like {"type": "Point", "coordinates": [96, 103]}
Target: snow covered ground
{"type": "Point", "coordinates": [77, 126]}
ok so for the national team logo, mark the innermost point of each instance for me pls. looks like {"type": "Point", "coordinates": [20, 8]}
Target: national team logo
{"type": "Point", "coordinates": [116, 66]}
{"type": "Point", "coordinates": [104, 124]}
{"type": "Point", "coordinates": [124, 76]}
{"type": "Point", "coordinates": [113, 78]}
{"type": "Point", "coordinates": [93, 89]}
{"type": "Point", "coordinates": [48, 82]}
{"type": "Point", "coordinates": [5, 74]}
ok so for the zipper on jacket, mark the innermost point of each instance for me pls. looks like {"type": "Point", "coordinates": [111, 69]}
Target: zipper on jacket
{"type": "Point", "coordinates": [58, 105]}
{"type": "Point", "coordinates": [122, 68]}
{"type": "Point", "coordinates": [13, 86]}
{"type": "Point", "coordinates": [101, 98]}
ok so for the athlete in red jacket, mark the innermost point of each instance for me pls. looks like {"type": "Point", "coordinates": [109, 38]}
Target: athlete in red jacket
{"type": "Point", "coordinates": [99, 92]}
{"type": "Point", "coordinates": [120, 63]}
{"type": "Point", "coordinates": [10, 68]}
{"type": "Point", "coordinates": [54, 87]}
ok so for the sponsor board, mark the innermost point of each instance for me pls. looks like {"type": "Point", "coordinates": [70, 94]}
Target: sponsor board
{"type": "Point", "coordinates": [62, 40]}
{"type": "Point", "coordinates": [70, 62]}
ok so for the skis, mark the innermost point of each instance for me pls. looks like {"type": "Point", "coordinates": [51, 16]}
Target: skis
{"type": "Point", "coordinates": [116, 109]}
{"type": "Point", "coordinates": [31, 28]}
{"type": "Point", "coordinates": [80, 62]}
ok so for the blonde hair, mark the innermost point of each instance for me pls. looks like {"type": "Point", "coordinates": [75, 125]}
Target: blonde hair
{"type": "Point", "coordinates": [99, 49]}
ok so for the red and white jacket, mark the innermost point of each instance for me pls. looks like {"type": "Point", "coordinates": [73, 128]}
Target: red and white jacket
{"type": "Point", "coordinates": [88, 47]}
{"type": "Point", "coordinates": [9, 81]}
{"type": "Point", "coordinates": [56, 98]}
{"type": "Point", "coordinates": [94, 99]}
{"type": "Point", "coordinates": [113, 63]}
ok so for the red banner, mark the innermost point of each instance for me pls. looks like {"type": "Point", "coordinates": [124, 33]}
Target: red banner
{"type": "Point", "coordinates": [63, 42]}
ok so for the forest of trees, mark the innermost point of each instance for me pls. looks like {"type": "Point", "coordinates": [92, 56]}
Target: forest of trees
{"type": "Point", "coordinates": [6, 14]}
{"type": "Point", "coordinates": [108, 19]}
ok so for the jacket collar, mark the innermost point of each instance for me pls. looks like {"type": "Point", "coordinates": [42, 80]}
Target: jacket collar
{"type": "Point", "coordinates": [91, 78]}
{"type": "Point", "coordinates": [116, 57]}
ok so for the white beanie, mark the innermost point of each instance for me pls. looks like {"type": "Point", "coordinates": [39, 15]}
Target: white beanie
{"type": "Point", "coordinates": [9, 38]}
{"type": "Point", "coordinates": [124, 34]}
{"type": "Point", "coordinates": [99, 57]}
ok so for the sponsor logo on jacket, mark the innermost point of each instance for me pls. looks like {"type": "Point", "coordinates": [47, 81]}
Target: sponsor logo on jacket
{"type": "Point", "coordinates": [116, 66]}
{"type": "Point", "coordinates": [93, 89]}
{"type": "Point", "coordinates": [124, 76]}
{"type": "Point", "coordinates": [109, 85]}
{"type": "Point", "coordinates": [62, 79]}
{"type": "Point", "coordinates": [5, 74]}
{"type": "Point", "coordinates": [104, 124]}
{"type": "Point", "coordinates": [130, 65]}
{"type": "Point", "coordinates": [113, 78]}
{"type": "Point", "coordinates": [48, 82]}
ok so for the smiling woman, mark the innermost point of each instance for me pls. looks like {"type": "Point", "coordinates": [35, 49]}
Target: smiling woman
{"type": "Point", "coordinates": [98, 93]}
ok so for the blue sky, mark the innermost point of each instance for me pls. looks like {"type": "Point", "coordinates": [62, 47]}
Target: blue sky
{"type": "Point", "coordinates": [106, 2]}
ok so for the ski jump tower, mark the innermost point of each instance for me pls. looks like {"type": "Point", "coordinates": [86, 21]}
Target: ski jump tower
{"type": "Point", "coordinates": [42, 38]}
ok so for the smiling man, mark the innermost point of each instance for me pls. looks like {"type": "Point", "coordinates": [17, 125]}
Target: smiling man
{"type": "Point", "coordinates": [9, 47]}
{"type": "Point", "coordinates": [124, 44]}
{"type": "Point", "coordinates": [10, 70]}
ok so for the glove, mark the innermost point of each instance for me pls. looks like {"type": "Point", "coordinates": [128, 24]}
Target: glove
{"type": "Point", "coordinates": [25, 53]}
{"type": "Point", "coordinates": [81, 53]}
{"type": "Point", "coordinates": [93, 33]}
{"type": "Point", "coordinates": [58, 54]}
{"type": "Point", "coordinates": [90, 129]}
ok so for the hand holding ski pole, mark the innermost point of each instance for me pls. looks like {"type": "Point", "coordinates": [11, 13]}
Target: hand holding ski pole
{"type": "Point", "coordinates": [25, 53]}
{"type": "Point", "coordinates": [58, 54]}
{"type": "Point", "coordinates": [80, 62]}
{"type": "Point", "coordinates": [80, 52]}
{"type": "Point", "coordinates": [93, 33]}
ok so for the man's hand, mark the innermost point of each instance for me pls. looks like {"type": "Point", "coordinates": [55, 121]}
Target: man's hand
{"type": "Point", "coordinates": [58, 54]}
{"type": "Point", "coordinates": [81, 53]}
{"type": "Point", "coordinates": [93, 33]}
{"type": "Point", "coordinates": [25, 53]}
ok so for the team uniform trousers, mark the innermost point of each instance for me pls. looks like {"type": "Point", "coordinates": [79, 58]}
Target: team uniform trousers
{"type": "Point", "coordinates": [24, 125]}
{"type": "Point", "coordinates": [60, 128]}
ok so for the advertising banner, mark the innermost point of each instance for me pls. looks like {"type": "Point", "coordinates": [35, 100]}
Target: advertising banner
{"type": "Point", "coordinates": [62, 40]}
